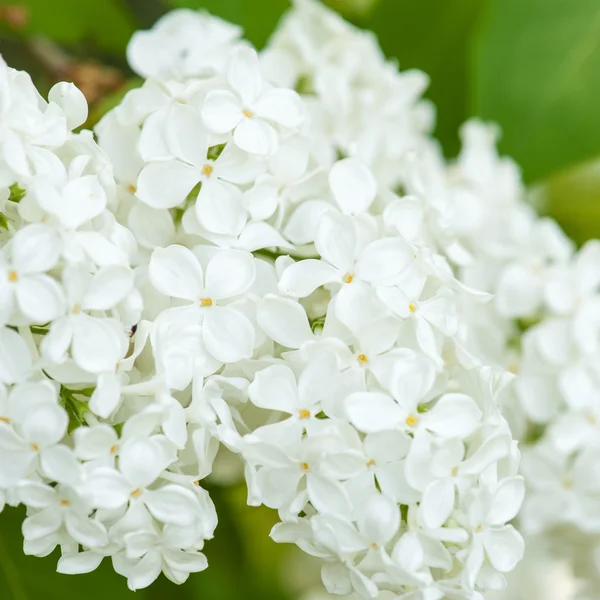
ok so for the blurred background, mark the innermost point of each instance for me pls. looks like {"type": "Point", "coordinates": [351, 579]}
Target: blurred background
{"type": "Point", "coordinates": [532, 66]}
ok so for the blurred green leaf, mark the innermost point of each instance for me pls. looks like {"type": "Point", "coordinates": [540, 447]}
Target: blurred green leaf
{"type": "Point", "coordinates": [108, 24]}
{"type": "Point", "coordinates": [353, 8]}
{"type": "Point", "coordinates": [537, 73]}
{"type": "Point", "coordinates": [433, 36]}
{"type": "Point", "coordinates": [572, 197]}
{"type": "Point", "coordinates": [257, 17]}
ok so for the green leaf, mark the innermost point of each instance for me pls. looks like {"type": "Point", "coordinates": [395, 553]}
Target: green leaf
{"type": "Point", "coordinates": [106, 23]}
{"type": "Point", "coordinates": [537, 67]}
{"type": "Point", "coordinates": [257, 17]}
{"type": "Point", "coordinates": [433, 36]}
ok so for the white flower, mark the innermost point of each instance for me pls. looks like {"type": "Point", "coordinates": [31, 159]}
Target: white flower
{"type": "Point", "coordinates": [24, 283]}
{"type": "Point", "coordinates": [250, 108]}
{"type": "Point", "coordinates": [175, 271]}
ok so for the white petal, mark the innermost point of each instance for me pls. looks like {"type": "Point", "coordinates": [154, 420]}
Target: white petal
{"type": "Point", "coordinates": [175, 271]}
{"type": "Point", "coordinates": [303, 277]}
{"type": "Point", "coordinates": [106, 488]}
{"type": "Point", "coordinates": [256, 136]}
{"type": "Point", "coordinates": [437, 503]}
{"type": "Point", "coordinates": [92, 442]}
{"type": "Point", "coordinates": [166, 184]}
{"type": "Point", "coordinates": [45, 425]}
{"type": "Point", "coordinates": [379, 519]}
{"type": "Point", "coordinates": [284, 321]}
{"type": "Point", "coordinates": [35, 249]}
{"type": "Point", "coordinates": [336, 241]}
{"type": "Point", "coordinates": [518, 293]}
{"type": "Point", "coordinates": [173, 504]}
{"type": "Point", "coordinates": [285, 107]}
{"type": "Point", "coordinates": [42, 524]}
{"type": "Point", "coordinates": [150, 226]}
{"type": "Point", "coordinates": [15, 358]}
{"type": "Point", "coordinates": [275, 388]}
{"type": "Point", "coordinates": [220, 209]}
{"type": "Point", "coordinates": [142, 460]}
{"type": "Point", "coordinates": [328, 497]}
{"type": "Point", "coordinates": [72, 101]}
{"type": "Point", "coordinates": [35, 494]}
{"type": "Point", "coordinates": [108, 287]}
{"type": "Point", "coordinates": [146, 571]}
{"type": "Point", "coordinates": [454, 415]}
{"type": "Point", "coordinates": [107, 396]}
{"type": "Point", "coordinates": [504, 548]}
{"type": "Point", "coordinates": [507, 500]}
{"type": "Point", "coordinates": [302, 225]}
{"type": "Point", "coordinates": [186, 562]}
{"type": "Point", "coordinates": [244, 76]}
{"type": "Point", "coordinates": [185, 134]}
{"type": "Point", "coordinates": [222, 111]}
{"type": "Point", "coordinates": [227, 334]}
{"type": "Point", "coordinates": [77, 564]}
{"type": "Point", "coordinates": [96, 345]}
{"type": "Point", "coordinates": [88, 532]}
{"type": "Point", "coordinates": [229, 273]}
{"type": "Point", "coordinates": [383, 261]}
{"type": "Point", "coordinates": [40, 298]}
{"type": "Point", "coordinates": [353, 185]}
{"type": "Point", "coordinates": [372, 412]}
{"type": "Point", "coordinates": [59, 464]}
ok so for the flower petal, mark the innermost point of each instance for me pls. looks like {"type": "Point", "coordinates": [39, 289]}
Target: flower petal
{"type": "Point", "coordinates": [353, 185]}
{"type": "Point", "coordinates": [166, 184]}
{"type": "Point", "coordinates": [229, 273]}
{"type": "Point", "coordinates": [371, 412]}
{"type": "Point", "coordinates": [175, 271]}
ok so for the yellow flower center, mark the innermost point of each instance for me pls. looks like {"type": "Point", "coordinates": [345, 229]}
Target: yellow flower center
{"type": "Point", "coordinates": [370, 463]}
{"type": "Point", "coordinates": [76, 309]}
{"type": "Point", "coordinates": [412, 307]}
{"type": "Point", "coordinates": [207, 170]}
{"type": "Point", "coordinates": [64, 502]}
{"type": "Point", "coordinates": [13, 277]}
{"type": "Point", "coordinates": [114, 449]}
{"type": "Point", "coordinates": [411, 421]}
{"type": "Point", "coordinates": [4, 420]}
{"type": "Point", "coordinates": [136, 493]}
{"type": "Point", "coordinates": [304, 466]}
{"type": "Point", "coordinates": [479, 528]}
{"type": "Point", "coordinates": [34, 447]}
{"type": "Point", "coordinates": [206, 302]}
{"type": "Point", "coordinates": [303, 414]}
{"type": "Point", "coordinates": [567, 483]}
{"type": "Point", "coordinates": [247, 113]}
{"type": "Point", "coordinates": [362, 358]}
{"type": "Point", "coordinates": [454, 471]}
{"type": "Point", "coordinates": [132, 189]}
{"type": "Point", "coordinates": [348, 278]}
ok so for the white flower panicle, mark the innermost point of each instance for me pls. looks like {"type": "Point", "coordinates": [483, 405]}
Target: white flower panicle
{"type": "Point", "coordinates": [234, 264]}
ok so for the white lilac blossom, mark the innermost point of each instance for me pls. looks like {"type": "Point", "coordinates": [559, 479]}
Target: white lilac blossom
{"type": "Point", "coordinates": [541, 325]}
{"type": "Point", "coordinates": [232, 264]}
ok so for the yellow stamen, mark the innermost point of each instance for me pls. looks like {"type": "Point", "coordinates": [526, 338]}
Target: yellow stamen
{"type": "Point", "coordinates": [76, 309]}
{"type": "Point", "coordinates": [206, 302]}
{"type": "Point", "coordinates": [64, 502]}
{"type": "Point", "coordinates": [34, 447]}
{"type": "Point", "coordinates": [591, 419]}
{"type": "Point", "coordinates": [132, 189]}
{"type": "Point", "coordinates": [137, 492]}
{"type": "Point", "coordinates": [370, 463]}
{"type": "Point", "coordinates": [197, 483]}
{"type": "Point", "coordinates": [348, 278]}
{"type": "Point", "coordinates": [411, 421]}
{"type": "Point", "coordinates": [567, 483]}
{"type": "Point", "coordinates": [4, 420]}
{"type": "Point", "coordinates": [13, 277]}
{"type": "Point", "coordinates": [304, 414]}
{"type": "Point", "coordinates": [412, 307]}
{"type": "Point", "coordinates": [305, 466]}
{"type": "Point", "coordinates": [362, 358]}
{"type": "Point", "coordinates": [479, 528]}
{"type": "Point", "coordinates": [114, 449]}
{"type": "Point", "coordinates": [373, 546]}
{"type": "Point", "coordinates": [247, 113]}
{"type": "Point", "coordinates": [454, 471]}
{"type": "Point", "coordinates": [207, 170]}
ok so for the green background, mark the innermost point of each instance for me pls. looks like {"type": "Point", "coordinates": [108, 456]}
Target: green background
{"type": "Point", "coordinates": [533, 66]}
